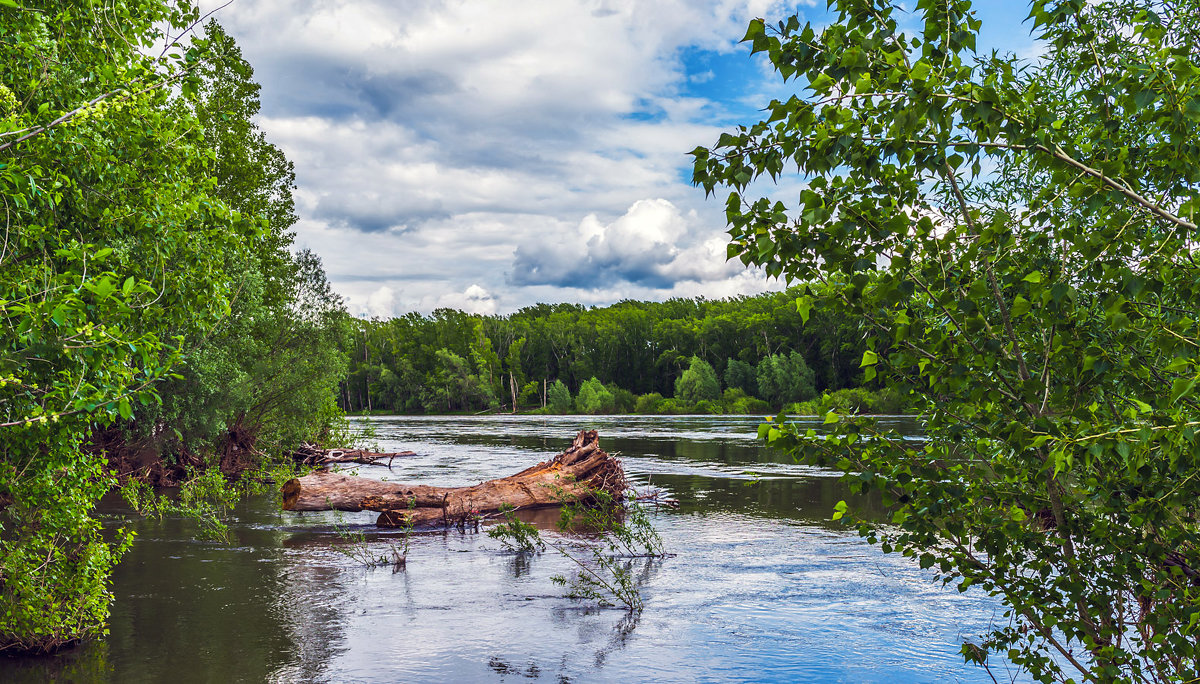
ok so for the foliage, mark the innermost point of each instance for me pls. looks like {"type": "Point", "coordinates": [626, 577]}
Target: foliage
{"type": "Point", "coordinates": [635, 347]}
{"type": "Point", "coordinates": [558, 397]}
{"type": "Point", "coordinates": [358, 549]}
{"type": "Point", "coordinates": [740, 375]}
{"type": "Point", "coordinates": [1018, 238]}
{"type": "Point", "coordinates": [624, 401]}
{"type": "Point", "coordinates": [455, 386]}
{"type": "Point", "coordinates": [207, 496]}
{"type": "Point", "coordinates": [271, 368]}
{"type": "Point", "coordinates": [516, 534]}
{"type": "Point", "coordinates": [605, 571]}
{"type": "Point", "coordinates": [114, 245]}
{"type": "Point", "coordinates": [698, 382]}
{"type": "Point", "coordinates": [626, 533]}
{"type": "Point", "coordinates": [626, 529]}
{"type": "Point", "coordinates": [735, 401]}
{"type": "Point", "coordinates": [649, 403]}
{"type": "Point", "coordinates": [603, 579]}
{"type": "Point", "coordinates": [782, 379]}
{"type": "Point", "coordinates": [594, 397]}
{"type": "Point", "coordinates": [849, 401]}
{"type": "Point", "coordinates": [147, 297]}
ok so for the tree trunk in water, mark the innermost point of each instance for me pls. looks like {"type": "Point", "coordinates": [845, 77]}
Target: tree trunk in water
{"type": "Point", "coordinates": [574, 475]}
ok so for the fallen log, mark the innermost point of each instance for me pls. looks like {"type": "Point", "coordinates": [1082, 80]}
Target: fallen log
{"type": "Point", "coordinates": [310, 454]}
{"type": "Point", "coordinates": [577, 474]}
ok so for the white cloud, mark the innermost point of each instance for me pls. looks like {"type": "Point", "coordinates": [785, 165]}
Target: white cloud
{"type": "Point", "coordinates": [381, 303]}
{"type": "Point", "coordinates": [446, 150]}
{"type": "Point", "coordinates": [474, 299]}
{"type": "Point", "coordinates": [653, 244]}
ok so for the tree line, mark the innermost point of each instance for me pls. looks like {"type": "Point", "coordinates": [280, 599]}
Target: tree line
{"type": "Point", "coordinates": [746, 354]}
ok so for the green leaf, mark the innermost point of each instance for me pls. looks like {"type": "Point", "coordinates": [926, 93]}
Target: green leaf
{"type": "Point", "coordinates": [839, 510]}
{"type": "Point", "coordinates": [756, 28]}
{"type": "Point", "coordinates": [1033, 277]}
{"type": "Point", "coordinates": [869, 358]}
{"type": "Point", "coordinates": [804, 306]}
{"type": "Point", "coordinates": [124, 408]}
{"type": "Point", "coordinates": [1181, 387]}
{"type": "Point", "coordinates": [127, 287]}
{"type": "Point", "coordinates": [821, 84]}
{"type": "Point", "coordinates": [1020, 306]}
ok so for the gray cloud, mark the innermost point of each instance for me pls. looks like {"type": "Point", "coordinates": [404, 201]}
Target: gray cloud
{"type": "Point", "coordinates": [642, 247]}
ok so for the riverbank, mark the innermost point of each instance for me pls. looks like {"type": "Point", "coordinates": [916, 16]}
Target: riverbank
{"type": "Point", "coordinates": [844, 401]}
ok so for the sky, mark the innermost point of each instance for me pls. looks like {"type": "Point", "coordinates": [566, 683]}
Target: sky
{"type": "Point", "coordinates": [487, 156]}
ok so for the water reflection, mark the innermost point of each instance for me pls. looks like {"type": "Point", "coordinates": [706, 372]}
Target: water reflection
{"type": "Point", "coordinates": [762, 586]}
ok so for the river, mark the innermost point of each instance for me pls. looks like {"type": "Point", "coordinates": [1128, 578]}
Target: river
{"type": "Point", "coordinates": [761, 586]}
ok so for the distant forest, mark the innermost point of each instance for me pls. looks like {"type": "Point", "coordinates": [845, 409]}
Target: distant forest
{"type": "Point", "coordinates": [740, 355]}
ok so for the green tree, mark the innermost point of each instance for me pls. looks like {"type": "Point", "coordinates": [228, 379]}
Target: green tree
{"type": "Point", "coordinates": [114, 252]}
{"type": "Point", "coordinates": [455, 387]}
{"type": "Point", "coordinates": [558, 397]}
{"type": "Point", "coordinates": [594, 397]}
{"type": "Point", "coordinates": [785, 378]}
{"type": "Point", "coordinates": [1018, 240]}
{"type": "Point", "coordinates": [741, 375]}
{"type": "Point", "coordinates": [698, 382]}
{"type": "Point", "coordinates": [265, 378]}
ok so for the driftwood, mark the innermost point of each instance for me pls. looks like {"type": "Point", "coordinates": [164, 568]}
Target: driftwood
{"type": "Point", "coordinates": [574, 475]}
{"type": "Point", "coordinates": [310, 454]}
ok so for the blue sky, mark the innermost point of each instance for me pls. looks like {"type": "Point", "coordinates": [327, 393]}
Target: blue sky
{"type": "Point", "coordinates": [487, 156]}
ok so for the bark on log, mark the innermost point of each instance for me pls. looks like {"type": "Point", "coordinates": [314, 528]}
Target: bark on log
{"type": "Point", "coordinates": [574, 475]}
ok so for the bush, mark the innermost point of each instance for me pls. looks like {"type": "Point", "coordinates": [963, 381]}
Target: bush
{"type": "Point", "coordinates": [624, 401]}
{"type": "Point", "coordinates": [740, 375]}
{"type": "Point", "coordinates": [649, 403]}
{"type": "Point", "coordinates": [672, 407]}
{"type": "Point", "coordinates": [750, 406]}
{"type": "Point", "coordinates": [558, 398]}
{"type": "Point", "coordinates": [698, 382]}
{"type": "Point", "coordinates": [594, 398]}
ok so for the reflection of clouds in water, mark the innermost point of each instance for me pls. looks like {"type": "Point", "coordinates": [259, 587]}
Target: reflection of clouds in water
{"type": "Point", "coordinates": [313, 603]}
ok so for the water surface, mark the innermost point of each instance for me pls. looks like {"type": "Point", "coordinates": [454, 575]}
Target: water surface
{"type": "Point", "coordinates": [762, 587]}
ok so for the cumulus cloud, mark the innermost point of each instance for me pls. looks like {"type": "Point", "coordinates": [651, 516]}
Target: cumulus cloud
{"type": "Point", "coordinates": [381, 303]}
{"type": "Point", "coordinates": [445, 151]}
{"type": "Point", "coordinates": [474, 299]}
{"type": "Point", "coordinates": [642, 247]}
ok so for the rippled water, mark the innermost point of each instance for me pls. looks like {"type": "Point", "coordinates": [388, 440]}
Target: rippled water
{"type": "Point", "coordinates": [761, 586]}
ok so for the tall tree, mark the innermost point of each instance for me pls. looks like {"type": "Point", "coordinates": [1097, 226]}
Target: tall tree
{"type": "Point", "coordinates": [114, 246]}
{"type": "Point", "coordinates": [268, 372]}
{"type": "Point", "coordinates": [1019, 239]}
{"type": "Point", "coordinates": [698, 382]}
